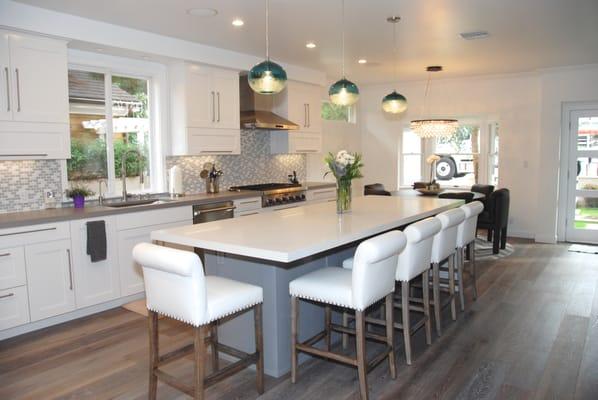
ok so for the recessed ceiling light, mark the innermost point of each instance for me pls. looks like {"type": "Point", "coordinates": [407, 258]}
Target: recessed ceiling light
{"type": "Point", "coordinates": [310, 45]}
{"type": "Point", "coordinates": [202, 12]}
{"type": "Point", "coordinates": [474, 35]}
{"type": "Point", "coordinates": [238, 22]}
{"type": "Point", "coordinates": [362, 61]}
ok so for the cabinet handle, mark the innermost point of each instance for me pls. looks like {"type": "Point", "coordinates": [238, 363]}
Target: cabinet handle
{"type": "Point", "coordinates": [213, 107]}
{"type": "Point", "coordinates": [218, 94]}
{"type": "Point", "coordinates": [215, 151]}
{"type": "Point", "coordinates": [245, 215]}
{"type": "Point", "coordinates": [305, 115]}
{"type": "Point", "coordinates": [7, 295]}
{"type": "Point", "coordinates": [306, 151]}
{"type": "Point", "coordinates": [7, 90]}
{"type": "Point", "coordinates": [25, 155]}
{"type": "Point", "coordinates": [18, 90]}
{"type": "Point", "coordinates": [4, 255]}
{"type": "Point", "coordinates": [68, 254]}
{"type": "Point", "coordinates": [250, 202]}
{"type": "Point", "coordinates": [308, 116]}
{"type": "Point", "coordinates": [31, 231]}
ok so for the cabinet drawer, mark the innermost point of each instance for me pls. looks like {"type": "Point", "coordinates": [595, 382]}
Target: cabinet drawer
{"type": "Point", "coordinates": [14, 307]}
{"type": "Point", "coordinates": [25, 235]}
{"type": "Point", "coordinates": [28, 141]}
{"type": "Point", "coordinates": [321, 194]}
{"type": "Point", "coordinates": [213, 141]}
{"type": "Point", "coordinates": [154, 217]}
{"type": "Point", "coordinates": [12, 267]}
{"type": "Point", "coordinates": [252, 203]}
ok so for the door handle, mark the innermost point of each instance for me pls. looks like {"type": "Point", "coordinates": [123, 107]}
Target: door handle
{"type": "Point", "coordinates": [68, 254]}
{"type": "Point", "coordinates": [213, 107]}
{"type": "Point", "coordinates": [18, 90]}
{"type": "Point", "coordinates": [218, 94]}
{"type": "Point", "coordinates": [7, 89]}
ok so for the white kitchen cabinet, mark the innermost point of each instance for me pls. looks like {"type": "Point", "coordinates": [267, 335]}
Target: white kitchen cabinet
{"type": "Point", "coordinates": [301, 103]}
{"type": "Point", "coordinates": [34, 121]}
{"type": "Point", "coordinates": [14, 307]}
{"type": "Point", "coordinates": [321, 195]}
{"type": "Point", "coordinates": [50, 280]}
{"type": "Point", "coordinates": [100, 281]}
{"type": "Point", "coordinates": [248, 206]}
{"type": "Point", "coordinates": [205, 110]}
{"type": "Point", "coordinates": [295, 142]}
{"type": "Point", "coordinates": [12, 267]}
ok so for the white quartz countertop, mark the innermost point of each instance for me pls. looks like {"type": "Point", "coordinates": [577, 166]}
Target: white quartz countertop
{"type": "Point", "coordinates": [295, 233]}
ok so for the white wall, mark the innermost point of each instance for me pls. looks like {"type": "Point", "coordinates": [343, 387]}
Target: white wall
{"type": "Point", "coordinates": [513, 101]}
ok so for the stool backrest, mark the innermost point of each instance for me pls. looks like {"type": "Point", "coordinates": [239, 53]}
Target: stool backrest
{"type": "Point", "coordinates": [467, 229]}
{"type": "Point", "coordinates": [374, 268]}
{"type": "Point", "coordinates": [174, 282]}
{"type": "Point", "coordinates": [416, 257]}
{"type": "Point", "coordinates": [445, 241]}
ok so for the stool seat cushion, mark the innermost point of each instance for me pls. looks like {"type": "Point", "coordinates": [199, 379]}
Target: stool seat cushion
{"type": "Point", "coordinates": [326, 285]}
{"type": "Point", "coordinates": [226, 296]}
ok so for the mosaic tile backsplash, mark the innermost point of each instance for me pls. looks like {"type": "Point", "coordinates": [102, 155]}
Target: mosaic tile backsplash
{"type": "Point", "coordinates": [254, 165]}
{"type": "Point", "coordinates": [22, 183]}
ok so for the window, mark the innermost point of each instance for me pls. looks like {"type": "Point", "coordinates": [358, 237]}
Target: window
{"type": "Point", "coordinates": [459, 157]}
{"type": "Point", "coordinates": [411, 158]}
{"type": "Point", "coordinates": [493, 155]}
{"type": "Point", "coordinates": [334, 112]}
{"type": "Point", "coordinates": [109, 123]}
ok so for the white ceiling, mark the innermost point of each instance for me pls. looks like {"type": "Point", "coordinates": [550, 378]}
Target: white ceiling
{"type": "Point", "coordinates": [525, 34]}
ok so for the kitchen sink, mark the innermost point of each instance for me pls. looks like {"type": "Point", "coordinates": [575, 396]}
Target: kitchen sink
{"type": "Point", "coordinates": [136, 202]}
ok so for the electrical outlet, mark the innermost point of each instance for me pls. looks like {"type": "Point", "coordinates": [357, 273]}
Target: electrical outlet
{"type": "Point", "coordinates": [49, 196]}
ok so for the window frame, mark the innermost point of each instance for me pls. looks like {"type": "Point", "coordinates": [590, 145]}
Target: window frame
{"type": "Point", "coordinates": [403, 184]}
{"type": "Point", "coordinates": [155, 74]}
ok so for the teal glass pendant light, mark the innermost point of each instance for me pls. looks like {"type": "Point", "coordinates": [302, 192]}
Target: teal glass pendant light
{"type": "Point", "coordinates": [394, 103]}
{"type": "Point", "coordinates": [343, 92]}
{"type": "Point", "coordinates": [267, 77]}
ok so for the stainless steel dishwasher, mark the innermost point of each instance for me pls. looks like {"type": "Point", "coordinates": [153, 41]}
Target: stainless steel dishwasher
{"type": "Point", "coordinates": [211, 212]}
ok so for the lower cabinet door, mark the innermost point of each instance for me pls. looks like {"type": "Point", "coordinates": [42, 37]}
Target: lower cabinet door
{"type": "Point", "coordinates": [14, 307]}
{"type": "Point", "coordinates": [131, 274]}
{"type": "Point", "coordinates": [95, 282]}
{"type": "Point", "coordinates": [50, 279]}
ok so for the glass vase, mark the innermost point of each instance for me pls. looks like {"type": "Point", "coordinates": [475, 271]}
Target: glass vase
{"type": "Point", "coordinates": [343, 196]}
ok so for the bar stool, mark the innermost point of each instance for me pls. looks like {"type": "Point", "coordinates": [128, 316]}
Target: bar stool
{"type": "Point", "coordinates": [466, 234]}
{"type": "Point", "coordinates": [413, 262]}
{"type": "Point", "coordinates": [176, 287]}
{"type": "Point", "coordinates": [371, 280]}
{"type": "Point", "coordinates": [444, 249]}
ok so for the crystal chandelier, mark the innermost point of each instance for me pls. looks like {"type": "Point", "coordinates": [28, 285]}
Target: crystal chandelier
{"type": "Point", "coordinates": [433, 127]}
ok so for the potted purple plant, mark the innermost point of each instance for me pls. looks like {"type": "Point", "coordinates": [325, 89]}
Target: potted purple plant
{"type": "Point", "coordinates": [78, 193]}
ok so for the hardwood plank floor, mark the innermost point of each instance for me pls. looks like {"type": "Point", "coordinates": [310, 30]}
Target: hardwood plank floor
{"type": "Point", "coordinates": [532, 334]}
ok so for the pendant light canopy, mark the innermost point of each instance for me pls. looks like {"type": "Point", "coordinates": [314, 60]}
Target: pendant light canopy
{"type": "Point", "coordinates": [433, 127]}
{"type": "Point", "coordinates": [267, 77]}
{"type": "Point", "coordinates": [343, 92]}
{"type": "Point", "coordinates": [394, 103]}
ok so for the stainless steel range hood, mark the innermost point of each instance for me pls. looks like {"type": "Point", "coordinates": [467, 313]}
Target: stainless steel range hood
{"type": "Point", "coordinates": [256, 110]}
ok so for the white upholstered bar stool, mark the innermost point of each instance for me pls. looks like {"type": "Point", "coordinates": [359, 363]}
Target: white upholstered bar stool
{"type": "Point", "coordinates": [466, 234]}
{"type": "Point", "coordinates": [176, 287]}
{"type": "Point", "coordinates": [444, 249]}
{"type": "Point", "coordinates": [371, 280]}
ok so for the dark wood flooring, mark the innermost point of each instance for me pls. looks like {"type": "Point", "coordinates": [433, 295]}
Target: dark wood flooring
{"type": "Point", "coordinates": [532, 334]}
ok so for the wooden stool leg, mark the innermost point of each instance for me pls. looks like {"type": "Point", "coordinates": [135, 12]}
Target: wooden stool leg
{"type": "Point", "coordinates": [361, 355]}
{"type": "Point", "coordinates": [294, 327]}
{"type": "Point", "coordinates": [327, 321]}
{"type": "Point", "coordinates": [406, 321]}
{"type": "Point", "coordinates": [472, 267]}
{"type": "Point", "coordinates": [200, 357]}
{"type": "Point", "coordinates": [451, 271]}
{"type": "Point", "coordinates": [426, 300]}
{"type": "Point", "coordinates": [390, 334]}
{"type": "Point", "coordinates": [153, 353]}
{"type": "Point", "coordinates": [214, 346]}
{"type": "Point", "coordinates": [345, 324]}
{"type": "Point", "coordinates": [259, 347]}
{"type": "Point", "coordinates": [460, 262]}
{"type": "Point", "coordinates": [436, 299]}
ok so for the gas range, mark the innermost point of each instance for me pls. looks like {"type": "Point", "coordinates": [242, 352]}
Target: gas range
{"type": "Point", "coordinates": [275, 194]}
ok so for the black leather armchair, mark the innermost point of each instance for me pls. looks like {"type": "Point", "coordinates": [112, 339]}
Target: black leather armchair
{"type": "Point", "coordinates": [495, 218]}
{"type": "Point", "coordinates": [376, 189]}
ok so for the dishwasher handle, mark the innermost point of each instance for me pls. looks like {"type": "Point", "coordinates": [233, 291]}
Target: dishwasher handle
{"type": "Point", "coordinates": [209, 210]}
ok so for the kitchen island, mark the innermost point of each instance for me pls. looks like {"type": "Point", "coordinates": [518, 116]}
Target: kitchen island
{"type": "Point", "coordinates": [271, 249]}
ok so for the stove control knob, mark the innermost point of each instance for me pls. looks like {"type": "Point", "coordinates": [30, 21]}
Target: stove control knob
{"type": "Point", "coordinates": [278, 200]}
{"type": "Point", "coordinates": [270, 202]}
{"type": "Point", "coordinates": [302, 197]}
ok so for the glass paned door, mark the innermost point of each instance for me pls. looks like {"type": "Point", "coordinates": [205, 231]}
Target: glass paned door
{"type": "Point", "coordinates": [582, 185]}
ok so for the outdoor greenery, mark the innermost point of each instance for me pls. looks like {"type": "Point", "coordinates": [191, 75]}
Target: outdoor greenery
{"type": "Point", "coordinates": [461, 140]}
{"type": "Point", "coordinates": [78, 190]}
{"type": "Point", "coordinates": [585, 218]}
{"type": "Point", "coordinates": [334, 112]}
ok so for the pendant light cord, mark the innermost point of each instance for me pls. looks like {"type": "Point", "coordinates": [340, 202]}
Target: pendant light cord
{"type": "Point", "coordinates": [394, 43]}
{"type": "Point", "coordinates": [343, 36]}
{"type": "Point", "coordinates": [267, 31]}
{"type": "Point", "coordinates": [426, 94]}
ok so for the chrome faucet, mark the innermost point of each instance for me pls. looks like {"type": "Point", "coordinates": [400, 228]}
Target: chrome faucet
{"type": "Point", "coordinates": [100, 194]}
{"type": "Point", "coordinates": [123, 169]}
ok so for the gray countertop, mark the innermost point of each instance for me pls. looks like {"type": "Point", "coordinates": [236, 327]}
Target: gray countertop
{"type": "Point", "coordinates": [24, 218]}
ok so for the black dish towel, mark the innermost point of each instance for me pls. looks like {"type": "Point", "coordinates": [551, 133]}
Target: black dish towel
{"type": "Point", "coordinates": [96, 240]}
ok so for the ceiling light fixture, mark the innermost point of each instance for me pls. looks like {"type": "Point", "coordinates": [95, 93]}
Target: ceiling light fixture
{"type": "Point", "coordinates": [238, 22]}
{"type": "Point", "coordinates": [343, 92]}
{"type": "Point", "coordinates": [310, 45]}
{"type": "Point", "coordinates": [202, 12]}
{"type": "Point", "coordinates": [433, 127]}
{"type": "Point", "coordinates": [394, 102]}
{"type": "Point", "coordinates": [362, 61]}
{"type": "Point", "coordinates": [267, 77]}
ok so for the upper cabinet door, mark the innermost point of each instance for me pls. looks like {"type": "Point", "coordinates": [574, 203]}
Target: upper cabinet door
{"type": "Point", "coordinates": [201, 97]}
{"type": "Point", "coordinates": [5, 87]}
{"type": "Point", "coordinates": [226, 86]}
{"type": "Point", "coordinates": [313, 99]}
{"type": "Point", "coordinates": [300, 103]}
{"type": "Point", "coordinates": [39, 72]}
